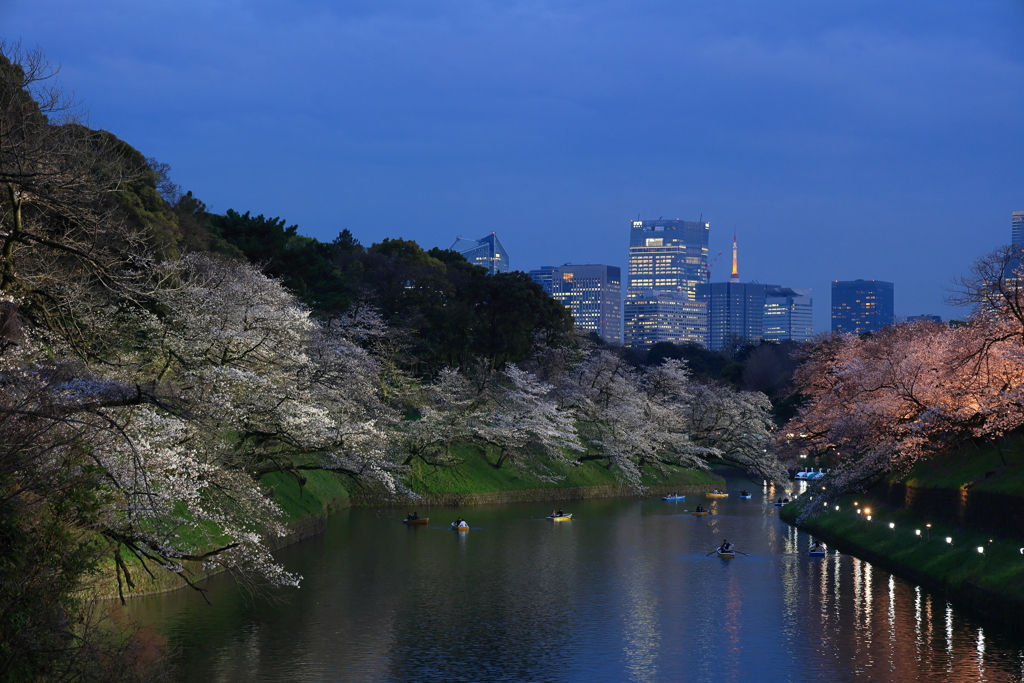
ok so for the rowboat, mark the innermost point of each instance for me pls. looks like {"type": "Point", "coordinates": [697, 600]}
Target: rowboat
{"type": "Point", "coordinates": [560, 518]}
{"type": "Point", "coordinates": [748, 496]}
{"type": "Point", "coordinates": [717, 495]}
{"type": "Point", "coordinates": [699, 514]}
{"type": "Point", "coordinates": [778, 505]}
{"type": "Point", "coordinates": [673, 497]}
{"type": "Point", "coordinates": [460, 528]}
{"type": "Point", "coordinates": [816, 553]}
{"type": "Point", "coordinates": [726, 554]}
{"type": "Point", "coordinates": [422, 520]}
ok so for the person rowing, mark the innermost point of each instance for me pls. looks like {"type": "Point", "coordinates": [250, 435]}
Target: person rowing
{"type": "Point", "coordinates": [726, 548]}
{"type": "Point", "coordinates": [460, 523]}
{"type": "Point", "coordinates": [817, 547]}
{"type": "Point", "coordinates": [744, 492]}
{"type": "Point", "coordinates": [412, 516]}
{"type": "Point", "coordinates": [699, 509]}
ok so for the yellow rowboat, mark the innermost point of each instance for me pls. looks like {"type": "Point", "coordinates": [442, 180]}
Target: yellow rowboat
{"type": "Point", "coordinates": [699, 514]}
{"type": "Point", "coordinates": [460, 528]}
{"type": "Point", "coordinates": [718, 495]}
{"type": "Point", "coordinates": [560, 518]}
{"type": "Point", "coordinates": [727, 555]}
{"type": "Point", "coordinates": [422, 520]}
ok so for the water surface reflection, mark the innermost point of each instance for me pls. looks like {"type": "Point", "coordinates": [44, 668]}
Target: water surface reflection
{"type": "Point", "coordinates": [624, 592]}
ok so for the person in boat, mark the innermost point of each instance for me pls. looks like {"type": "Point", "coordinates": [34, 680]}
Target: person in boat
{"type": "Point", "coordinates": [726, 547]}
{"type": "Point", "coordinates": [785, 500]}
{"type": "Point", "coordinates": [560, 513]}
{"type": "Point", "coordinates": [779, 500]}
{"type": "Point", "coordinates": [552, 514]}
{"type": "Point", "coordinates": [412, 516]}
{"type": "Point", "coordinates": [817, 547]}
{"type": "Point", "coordinates": [699, 508]}
{"type": "Point", "coordinates": [715, 491]}
{"type": "Point", "coordinates": [744, 493]}
{"type": "Point", "coordinates": [460, 523]}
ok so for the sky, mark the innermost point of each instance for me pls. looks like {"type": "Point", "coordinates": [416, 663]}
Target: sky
{"type": "Point", "coordinates": [841, 140]}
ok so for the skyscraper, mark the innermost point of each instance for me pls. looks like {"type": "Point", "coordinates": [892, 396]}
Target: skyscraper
{"type": "Point", "coordinates": [735, 309]}
{"type": "Point", "coordinates": [788, 315]}
{"type": "Point", "coordinates": [667, 261]}
{"type": "Point", "coordinates": [486, 251]}
{"type": "Point", "coordinates": [593, 293]}
{"type": "Point", "coordinates": [545, 277]}
{"type": "Point", "coordinates": [735, 312]}
{"type": "Point", "coordinates": [1017, 229]}
{"type": "Point", "coordinates": [860, 306]}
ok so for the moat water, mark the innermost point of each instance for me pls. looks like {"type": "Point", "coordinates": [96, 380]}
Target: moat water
{"type": "Point", "coordinates": [624, 592]}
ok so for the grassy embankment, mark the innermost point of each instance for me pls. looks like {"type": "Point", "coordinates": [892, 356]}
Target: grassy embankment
{"type": "Point", "coordinates": [474, 480]}
{"type": "Point", "coordinates": [973, 496]}
{"type": "Point", "coordinates": [476, 474]}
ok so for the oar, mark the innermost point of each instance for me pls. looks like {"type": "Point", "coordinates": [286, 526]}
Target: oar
{"type": "Point", "coordinates": [712, 552]}
{"type": "Point", "coordinates": [740, 552]}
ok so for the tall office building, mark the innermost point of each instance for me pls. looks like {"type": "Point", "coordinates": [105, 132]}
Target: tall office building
{"type": "Point", "coordinates": [860, 306]}
{"type": "Point", "coordinates": [592, 293]}
{"type": "Point", "coordinates": [545, 277]}
{"type": "Point", "coordinates": [788, 315]}
{"type": "Point", "coordinates": [486, 251]}
{"type": "Point", "coordinates": [667, 261]}
{"type": "Point", "coordinates": [735, 312]}
{"type": "Point", "coordinates": [1017, 230]}
{"type": "Point", "coordinates": [654, 316]}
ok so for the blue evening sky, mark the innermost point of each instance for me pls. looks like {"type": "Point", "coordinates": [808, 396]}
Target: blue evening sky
{"type": "Point", "coordinates": [843, 139]}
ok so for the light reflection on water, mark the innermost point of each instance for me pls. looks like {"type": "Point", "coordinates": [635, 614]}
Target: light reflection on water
{"type": "Point", "coordinates": [624, 592]}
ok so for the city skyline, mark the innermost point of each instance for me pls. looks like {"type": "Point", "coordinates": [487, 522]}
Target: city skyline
{"type": "Point", "coordinates": [872, 147]}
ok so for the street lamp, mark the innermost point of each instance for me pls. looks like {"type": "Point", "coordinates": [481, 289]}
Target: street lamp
{"type": "Point", "coordinates": [949, 539]}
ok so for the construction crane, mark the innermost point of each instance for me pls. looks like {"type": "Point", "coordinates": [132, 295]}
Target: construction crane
{"type": "Point", "coordinates": [711, 263]}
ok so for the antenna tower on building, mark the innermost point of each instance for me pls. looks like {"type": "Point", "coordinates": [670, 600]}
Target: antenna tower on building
{"type": "Point", "coordinates": [735, 277]}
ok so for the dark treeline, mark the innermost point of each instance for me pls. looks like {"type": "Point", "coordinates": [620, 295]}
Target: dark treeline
{"type": "Point", "coordinates": [449, 311]}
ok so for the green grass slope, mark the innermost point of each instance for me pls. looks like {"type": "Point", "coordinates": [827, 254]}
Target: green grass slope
{"type": "Point", "coordinates": [476, 474]}
{"type": "Point", "coordinates": [997, 467]}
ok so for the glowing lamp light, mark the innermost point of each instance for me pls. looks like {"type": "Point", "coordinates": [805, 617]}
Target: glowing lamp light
{"type": "Point", "coordinates": [949, 539]}
{"type": "Point", "coordinates": [837, 508]}
{"type": "Point", "coordinates": [981, 549]}
{"type": "Point", "coordinates": [892, 525]}
{"type": "Point", "coordinates": [867, 511]}
{"type": "Point", "coordinates": [1022, 551]}
{"type": "Point", "coordinates": [869, 518]}
{"type": "Point", "coordinates": [917, 532]}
